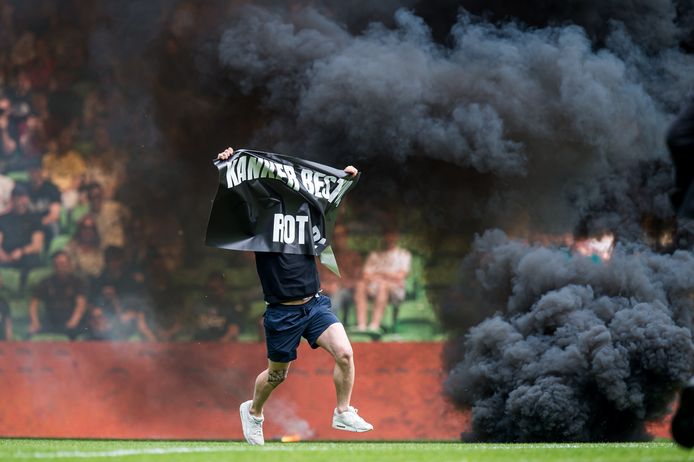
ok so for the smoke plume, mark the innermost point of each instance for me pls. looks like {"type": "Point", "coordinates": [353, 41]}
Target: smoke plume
{"type": "Point", "coordinates": [554, 123]}
{"type": "Point", "coordinates": [576, 350]}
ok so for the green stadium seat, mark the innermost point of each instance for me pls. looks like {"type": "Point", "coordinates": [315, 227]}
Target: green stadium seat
{"type": "Point", "coordinates": [10, 279]}
{"type": "Point", "coordinates": [57, 243]}
{"type": "Point", "coordinates": [37, 275]}
{"type": "Point", "coordinates": [18, 175]}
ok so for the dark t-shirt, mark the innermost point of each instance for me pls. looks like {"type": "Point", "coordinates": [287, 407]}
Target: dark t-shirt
{"type": "Point", "coordinates": [130, 293]}
{"type": "Point", "coordinates": [286, 277]}
{"type": "Point", "coordinates": [214, 316]}
{"type": "Point", "coordinates": [17, 229]}
{"type": "Point", "coordinates": [59, 297]}
{"type": "Point", "coordinates": [4, 316]}
{"type": "Point", "coordinates": [109, 325]}
{"type": "Point", "coordinates": [43, 196]}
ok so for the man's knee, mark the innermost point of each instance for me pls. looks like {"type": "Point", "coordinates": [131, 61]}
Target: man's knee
{"type": "Point", "coordinates": [276, 376]}
{"type": "Point", "coordinates": [343, 355]}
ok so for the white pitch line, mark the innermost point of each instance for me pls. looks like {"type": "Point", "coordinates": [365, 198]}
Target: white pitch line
{"type": "Point", "coordinates": [144, 451]}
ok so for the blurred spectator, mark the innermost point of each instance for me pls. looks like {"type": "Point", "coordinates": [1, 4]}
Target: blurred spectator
{"type": "Point", "coordinates": [6, 188]}
{"type": "Point", "coordinates": [5, 318]}
{"type": "Point", "coordinates": [21, 236]}
{"type": "Point", "coordinates": [85, 249]}
{"type": "Point", "coordinates": [65, 167]}
{"type": "Point", "coordinates": [44, 200]}
{"type": "Point", "coordinates": [116, 300]}
{"type": "Point", "coordinates": [383, 280]}
{"type": "Point", "coordinates": [8, 132]}
{"type": "Point", "coordinates": [341, 288]}
{"type": "Point", "coordinates": [164, 300]}
{"type": "Point", "coordinates": [31, 140]}
{"type": "Point", "coordinates": [64, 300]}
{"type": "Point", "coordinates": [106, 165]}
{"type": "Point", "coordinates": [23, 51]}
{"type": "Point", "coordinates": [110, 217]}
{"type": "Point", "coordinates": [42, 68]}
{"type": "Point", "coordinates": [39, 103]}
{"type": "Point", "coordinates": [21, 129]}
{"type": "Point", "coordinates": [216, 316]}
{"type": "Point", "coordinates": [93, 110]}
{"type": "Point", "coordinates": [21, 94]}
{"type": "Point", "coordinates": [6, 25]}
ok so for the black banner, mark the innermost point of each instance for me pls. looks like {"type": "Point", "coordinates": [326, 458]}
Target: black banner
{"type": "Point", "coordinates": [269, 202]}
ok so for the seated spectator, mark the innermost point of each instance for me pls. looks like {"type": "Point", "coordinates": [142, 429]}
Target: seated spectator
{"type": "Point", "coordinates": [65, 167]}
{"type": "Point", "coordinates": [23, 51]}
{"type": "Point", "coordinates": [106, 164]}
{"type": "Point", "coordinates": [216, 317]}
{"type": "Point", "coordinates": [341, 288]}
{"type": "Point", "coordinates": [85, 249]}
{"type": "Point", "coordinates": [64, 300]}
{"type": "Point", "coordinates": [116, 301]}
{"type": "Point", "coordinates": [164, 301]}
{"type": "Point", "coordinates": [110, 217]}
{"type": "Point", "coordinates": [42, 67]}
{"type": "Point", "coordinates": [383, 280]}
{"type": "Point", "coordinates": [6, 188]}
{"type": "Point", "coordinates": [5, 318]}
{"type": "Point", "coordinates": [44, 200]}
{"type": "Point", "coordinates": [9, 147]}
{"type": "Point", "coordinates": [31, 139]}
{"type": "Point", "coordinates": [21, 236]}
{"type": "Point", "coordinates": [21, 125]}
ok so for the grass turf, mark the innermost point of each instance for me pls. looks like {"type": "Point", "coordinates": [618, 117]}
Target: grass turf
{"type": "Point", "coordinates": [185, 451]}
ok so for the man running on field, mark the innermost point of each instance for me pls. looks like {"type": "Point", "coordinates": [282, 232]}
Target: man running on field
{"type": "Point", "coordinates": [295, 308]}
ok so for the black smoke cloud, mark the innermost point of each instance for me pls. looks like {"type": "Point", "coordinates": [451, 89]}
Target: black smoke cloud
{"type": "Point", "coordinates": [653, 24]}
{"type": "Point", "coordinates": [553, 122]}
{"type": "Point", "coordinates": [577, 350]}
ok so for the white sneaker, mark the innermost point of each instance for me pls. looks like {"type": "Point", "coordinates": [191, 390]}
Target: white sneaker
{"type": "Point", "coordinates": [252, 426]}
{"type": "Point", "coordinates": [350, 421]}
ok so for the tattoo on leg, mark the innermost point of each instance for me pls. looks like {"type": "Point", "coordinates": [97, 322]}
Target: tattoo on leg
{"type": "Point", "coordinates": [274, 378]}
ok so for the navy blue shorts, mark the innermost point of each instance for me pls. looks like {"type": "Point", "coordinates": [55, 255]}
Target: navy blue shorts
{"type": "Point", "coordinates": [286, 324]}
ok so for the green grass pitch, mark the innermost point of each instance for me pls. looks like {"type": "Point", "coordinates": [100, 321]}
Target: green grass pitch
{"type": "Point", "coordinates": [185, 451]}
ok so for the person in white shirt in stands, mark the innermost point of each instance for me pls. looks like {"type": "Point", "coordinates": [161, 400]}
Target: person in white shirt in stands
{"type": "Point", "coordinates": [383, 280]}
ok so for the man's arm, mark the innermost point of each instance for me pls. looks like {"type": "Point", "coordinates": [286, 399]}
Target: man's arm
{"type": "Point", "coordinates": [53, 214]}
{"type": "Point", "coordinates": [4, 257]}
{"type": "Point", "coordinates": [8, 328]}
{"type": "Point", "coordinates": [231, 334]}
{"type": "Point", "coordinates": [80, 308]}
{"type": "Point", "coordinates": [33, 248]}
{"type": "Point", "coordinates": [36, 245]}
{"type": "Point", "coordinates": [144, 329]}
{"type": "Point", "coordinates": [228, 152]}
{"type": "Point", "coordinates": [9, 145]}
{"type": "Point", "coordinates": [35, 324]}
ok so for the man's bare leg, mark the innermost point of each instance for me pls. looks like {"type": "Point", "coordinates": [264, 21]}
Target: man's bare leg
{"type": "Point", "coordinates": [265, 383]}
{"type": "Point", "coordinates": [361, 303]}
{"type": "Point", "coordinates": [379, 306]}
{"type": "Point", "coordinates": [334, 340]}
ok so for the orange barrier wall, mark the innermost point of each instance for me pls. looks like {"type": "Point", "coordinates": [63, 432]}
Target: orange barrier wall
{"type": "Point", "coordinates": [192, 391]}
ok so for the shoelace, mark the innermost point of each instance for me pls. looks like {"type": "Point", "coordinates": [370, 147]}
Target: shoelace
{"type": "Point", "coordinates": [258, 429]}
{"type": "Point", "coordinates": [356, 418]}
